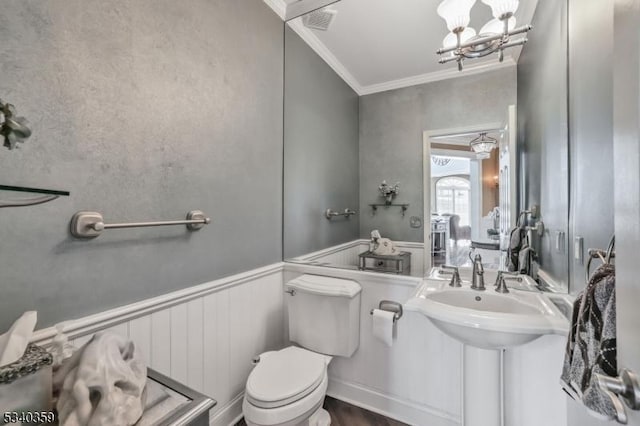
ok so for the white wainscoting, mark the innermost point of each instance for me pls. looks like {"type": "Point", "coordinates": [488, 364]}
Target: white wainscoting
{"type": "Point", "coordinates": [204, 336]}
{"type": "Point", "coordinates": [418, 379]}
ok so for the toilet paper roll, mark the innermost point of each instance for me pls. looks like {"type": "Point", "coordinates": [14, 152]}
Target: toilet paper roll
{"type": "Point", "coordinates": [383, 326]}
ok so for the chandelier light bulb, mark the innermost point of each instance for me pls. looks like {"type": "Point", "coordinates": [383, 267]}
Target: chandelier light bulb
{"type": "Point", "coordinates": [496, 26]}
{"type": "Point", "coordinates": [451, 40]}
{"type": "Point", "coordinates": [463, 42]}
{"type": "Point", "coordinates": [456, 13]}
{"type": "Point", "coordinates": [500, 8]}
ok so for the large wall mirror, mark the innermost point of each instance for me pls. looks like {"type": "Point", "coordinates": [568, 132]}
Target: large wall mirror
{"type": "Point", "coordinates": [378, 142]}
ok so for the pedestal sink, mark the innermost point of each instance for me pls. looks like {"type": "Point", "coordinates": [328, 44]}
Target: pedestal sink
{"type": "Point", "coordinates": [487, 323]}
{"type": "Point", "coordinates": [486, 319]}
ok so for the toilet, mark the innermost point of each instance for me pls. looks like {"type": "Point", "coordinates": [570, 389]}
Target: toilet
{"type": "Point", "coordinates": [287, 387]}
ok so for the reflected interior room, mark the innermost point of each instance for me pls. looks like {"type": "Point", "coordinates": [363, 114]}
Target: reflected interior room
{"type": "Point", "coordinates": [320, 212]}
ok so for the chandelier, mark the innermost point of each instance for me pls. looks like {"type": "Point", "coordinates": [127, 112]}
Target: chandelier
{"type": "Point", "coordinates": [483, 144]}
{"type": "Point", "coordinates": [463, 43]}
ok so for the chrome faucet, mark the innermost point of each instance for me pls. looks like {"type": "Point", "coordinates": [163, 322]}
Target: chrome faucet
{"type": "Point", "coordinates": [455, 276]}
{"type": "Point", "coordinates": [477, 276]}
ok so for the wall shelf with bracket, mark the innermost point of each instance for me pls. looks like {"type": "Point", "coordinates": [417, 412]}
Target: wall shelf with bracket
{"type": "Point", "coordinates": [47, 195]}
{"type": "Point", "coordinates": [374, 207]}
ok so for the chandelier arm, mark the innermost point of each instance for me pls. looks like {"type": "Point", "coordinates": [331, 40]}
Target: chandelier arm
{"type": "Point", "coordinates": [520, 42]}
{"type": "Point", "coordinates": [448, 59]}
{"type": "Point", "coordinates": [485, 39]}
{"type": "Point", "coordinates": [505, 31]}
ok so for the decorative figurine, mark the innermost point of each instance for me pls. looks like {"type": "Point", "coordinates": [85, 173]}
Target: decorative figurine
{"type": "Point", "coordinates": [13, 129]}
{"type": "Point", "coordinates": [103, 383]}
{"type": "Point", "coordinates": [388, 191]}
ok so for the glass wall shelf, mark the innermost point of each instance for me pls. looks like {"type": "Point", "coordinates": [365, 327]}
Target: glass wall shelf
{"type": "Point", "coordinates": [48, 195]}
{"type": "Point", "coordinates": [374, 207]}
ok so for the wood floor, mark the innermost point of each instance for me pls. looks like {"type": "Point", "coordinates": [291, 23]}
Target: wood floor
{"type": "Point", "coordinates": [343, 414]}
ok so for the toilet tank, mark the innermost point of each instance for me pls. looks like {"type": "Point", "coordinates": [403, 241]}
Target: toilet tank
{"type": "Point", "coordinates": [324, 314]}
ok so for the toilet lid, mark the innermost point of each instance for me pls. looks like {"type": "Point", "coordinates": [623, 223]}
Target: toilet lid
{"type": "Point", "coordinates": [285, 376]}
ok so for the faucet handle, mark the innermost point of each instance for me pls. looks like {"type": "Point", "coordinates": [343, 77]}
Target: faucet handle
{"type": "Point", "coordinates": [501, 285]}
{"type": "Point", "coordinates": [506, 275]}
{"type": "Point", "coordinates": [455, 277]}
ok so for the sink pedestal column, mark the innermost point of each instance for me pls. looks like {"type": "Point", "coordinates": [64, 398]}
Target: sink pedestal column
{"type": "Point", "coordinates": [482, 380]}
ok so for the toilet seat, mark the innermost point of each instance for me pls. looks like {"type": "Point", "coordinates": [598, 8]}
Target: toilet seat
{"type": "Point", "coordinates": [292, 414]}
{"type": "Point", "coordinates": [284, 377]}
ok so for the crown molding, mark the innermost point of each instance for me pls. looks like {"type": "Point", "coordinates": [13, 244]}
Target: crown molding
{"type": "Point", "coordinates": [278, 6]}
{"type": "Point", "coordinates": [430, 77]}
{"type": "Point", "coordinates": [319, 47]}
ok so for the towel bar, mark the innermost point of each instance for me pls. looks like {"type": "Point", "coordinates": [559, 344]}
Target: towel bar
{"type": "Point", "coordinates": [604, 255]}
{"type": "Point", "coordinates": [347, 213]}
{"type": "Point", "coordinates": [91, 224]}
{"type": "Point", "coordinates": [390, 306]}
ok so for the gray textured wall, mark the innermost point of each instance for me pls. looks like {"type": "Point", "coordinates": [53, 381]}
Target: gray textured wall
{"type": "Point", "coordinates": [591, 141]}
{"type": "Point", "coordinates": [590, 128]}
{"type": "Point", "coordinates": [321, 152]}
{"type": "Point", "coordinates": [391, 128]}
{"type": "Point", "coordinates": [543, 131]}
{"type": "Point", "coordinates": [143, 110]}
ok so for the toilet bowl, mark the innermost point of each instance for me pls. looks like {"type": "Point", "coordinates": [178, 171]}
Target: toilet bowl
{"type": "Point", "coordinates": [287, 388]}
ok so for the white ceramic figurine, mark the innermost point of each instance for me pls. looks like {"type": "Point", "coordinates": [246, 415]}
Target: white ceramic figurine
{"type": "Point", "coordinates": [103, 383]}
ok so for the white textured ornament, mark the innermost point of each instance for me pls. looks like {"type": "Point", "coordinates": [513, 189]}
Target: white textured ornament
{"type": "Point", "coordinates": [103, 383]}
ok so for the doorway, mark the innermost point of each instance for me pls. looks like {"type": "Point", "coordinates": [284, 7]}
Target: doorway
{"type": "Point", "coordinates": [468, 195]}
{"type": "Point", "coordinates": [464, 203]}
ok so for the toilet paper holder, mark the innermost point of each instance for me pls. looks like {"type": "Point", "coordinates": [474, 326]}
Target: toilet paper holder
{"type": "Point", "coordinates": [390, 306]}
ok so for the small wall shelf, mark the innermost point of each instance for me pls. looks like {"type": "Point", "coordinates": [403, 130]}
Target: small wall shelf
{"type": "Point", "coordinates": [374, 207]}
{"type": "Point", "coordinates": [48, 195]}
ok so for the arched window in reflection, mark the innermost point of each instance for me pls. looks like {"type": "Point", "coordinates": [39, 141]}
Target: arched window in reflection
{"type": "Point", "coordinates": [453, 196]}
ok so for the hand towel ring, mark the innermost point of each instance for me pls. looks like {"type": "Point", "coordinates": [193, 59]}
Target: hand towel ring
{"type": "Point", "coordinates": [611, 249]}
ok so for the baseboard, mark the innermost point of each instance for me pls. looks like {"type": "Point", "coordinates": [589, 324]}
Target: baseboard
{"type": "Point", "coordinates": [360, 396]}
{"type": "Point", "coordinates": [389, 406]}
{"type": "Point", "coordinates": [230, 414]}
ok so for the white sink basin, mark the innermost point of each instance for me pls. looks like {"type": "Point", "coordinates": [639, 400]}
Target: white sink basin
{"type": "Point", "coordinates": [484, 302]}
{"type": "Point", "coordinates": [487, 319]}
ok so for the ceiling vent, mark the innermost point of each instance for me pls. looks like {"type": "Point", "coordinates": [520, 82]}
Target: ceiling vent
{"type": "Point", "coordinates": [319, 19]}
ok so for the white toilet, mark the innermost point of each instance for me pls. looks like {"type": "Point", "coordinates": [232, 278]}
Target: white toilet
{"type": "Point", "coordinates": [287, 387]}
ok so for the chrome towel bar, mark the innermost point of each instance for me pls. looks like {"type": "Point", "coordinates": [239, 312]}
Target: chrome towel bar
{"type": "Point", "coordinates": [86, 224]}
{"type": "Point", "coordinates": [347, 212]}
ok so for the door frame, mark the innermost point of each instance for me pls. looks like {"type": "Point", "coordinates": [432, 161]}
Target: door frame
{"type": "Point", "coordinates": [626, 159]}
{"type": "Point", "coordinates": [429, 137]}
